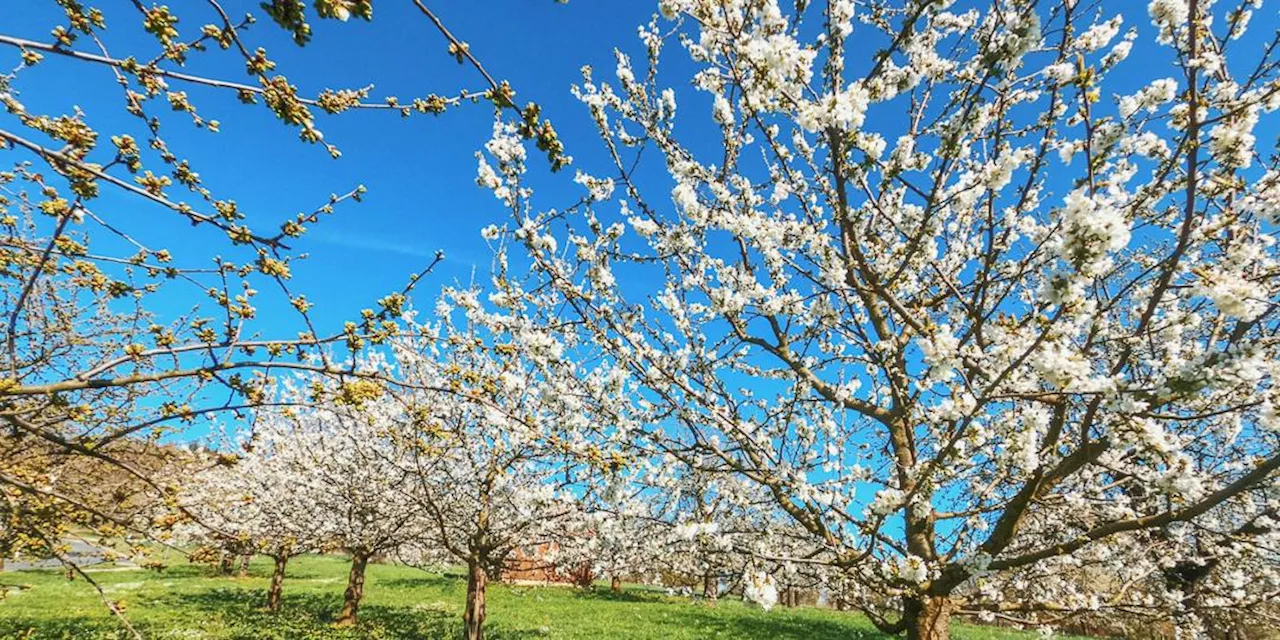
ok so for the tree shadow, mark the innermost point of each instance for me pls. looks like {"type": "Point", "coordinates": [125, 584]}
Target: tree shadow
{"type": "Point", "coordinates": [628, 596]}
{"type": "Point", "coordinates": [311, 615]}
{"type": "Point", "coordinates": [434, 581]}
{"type": "Point", "coordinates": [261, 567]}
{"type": "Point", "coordinates": [188, 570]}
{"type": "Point", "coordinates": [777, 627]}
{"type": "Point", "coordinates": [39, 627]}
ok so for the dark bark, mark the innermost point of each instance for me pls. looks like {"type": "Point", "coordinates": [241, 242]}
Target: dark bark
{"type": "Point", "coordinates": [355, 589]}
{"type": "Point", "coordinates": [927, 617]}
{"type": "Point", "coordinates": [226, 563]}
{"type": "Point", "coordinates": [615, 585]}
{"type": "Point", "coordinates": [276, 591]}
{"type": "Point", "coordinates": [583, 578]}
{"type": "Point", "coordinates": [473, 619]}
{"type": "Point", "coordinates": [710, 586]}
{"type": "Point", "coordinates": [244, 564]}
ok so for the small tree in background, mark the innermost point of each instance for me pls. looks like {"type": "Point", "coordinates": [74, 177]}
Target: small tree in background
{"type": "Point", "coordinates": [494, 439]}
{"type": "Point", "coordinates": [257, 499]}
{"type": "Point", "coordinates": [337, 451]}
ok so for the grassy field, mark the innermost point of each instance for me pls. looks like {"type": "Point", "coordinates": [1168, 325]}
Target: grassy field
{"type": "Point", "coordinates": [187, 601]}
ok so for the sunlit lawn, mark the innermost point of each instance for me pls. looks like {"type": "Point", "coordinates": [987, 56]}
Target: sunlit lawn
{"type": "Point", "coordinates": [401, 602]}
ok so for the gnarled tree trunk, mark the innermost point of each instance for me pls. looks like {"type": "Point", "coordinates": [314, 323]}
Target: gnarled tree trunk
{"type": "Point", "coordinates": [474, 616]}
{"type": "Point", "coordinates": [927, 617]}
{"type": "Point", "coordinates": [615, 585]}
{"type": "Point", "coordinates": [276, 591]}
{"type": "Point", "coordinates": [355, 589]}
{"type": "Point", "coordinates": [244, 564]}
{"type": "Point", "coordinates": [710, 587]}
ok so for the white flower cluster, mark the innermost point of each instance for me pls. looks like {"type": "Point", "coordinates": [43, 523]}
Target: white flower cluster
{"type": "Point", "coordinates": [598, 189]}
{"type": "Point", "coordinates": [506, 147]}
{"type": "Point", "coordinates": [913, 569]}
{"type": "Point", "coordinates": [1099, 35]}
{"type": "Point", "coordinates": [1232, 293]}
{"type": "Point", "coordinates": [887, 501]}
{"type": "Point", "coordinates": [1265, 199]}
{"type": "Point", "coordinates": [1149, 98]}
{"type": "Point", "coordinates": [844, 110]}
{"type": "Point", "coordinates": [1231, 141]}
{"type": "Point", "coordinates": [1168, 15]}
{"type": "Point", "coordinates": [941, 351]}
{"type": "Point", "coordinates": [1061, 72]}
{"type": "Point", "coordinates": [760, 588]}
{"type": "Point", "coordinates": [1062, 366]}
{"type": "Point", "coordinates": [1093, 228]}
{"type": "Point", "coordinates": [691, 530]}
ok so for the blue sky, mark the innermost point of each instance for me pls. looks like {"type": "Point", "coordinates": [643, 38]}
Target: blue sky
{"type": "Point", "coordinates": [420, 172]}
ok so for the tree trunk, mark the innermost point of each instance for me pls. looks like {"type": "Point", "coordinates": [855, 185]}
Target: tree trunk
{"type": "Point", "coordinates": [710, 587]}
{"type": "Point", "coordinates": [928, 617]}
{"type": "Point", "coordinates": [583, 577]}
{"type": "Point", "coordinates": [226, 563]}
{"type": "Point", "coordinates": [355, 589]}
{"type": "Point", "coordinates": [474, 616]}
{"type": "Point", "coordinates": [244, 564]}
{"type": "Point", "coordinates": [615, 585]}
{"type": "Point", "coordinates": [277, 583]}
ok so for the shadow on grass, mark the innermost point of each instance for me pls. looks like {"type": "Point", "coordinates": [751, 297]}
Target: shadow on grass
{"type": "Point", "coordinates": [622, 596]}
{"type": "Point", "coordinates": [59, 628]}
{"type": "Point", "coordinates": [260, 568]}
{"type": "Point", "coordinates": [188, 571]}
{"type": "Point", "coordinates": [308, 615]}
{"type": "Point", "coordinates": [776, 627]}
{"type": "Point", "coordinates": [431, 580]}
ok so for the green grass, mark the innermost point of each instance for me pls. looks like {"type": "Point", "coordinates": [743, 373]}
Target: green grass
{"type": "Point", "coordinates": [186, 601]}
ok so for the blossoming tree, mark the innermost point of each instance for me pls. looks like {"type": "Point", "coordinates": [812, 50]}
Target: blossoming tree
{"type": "Point", "coordinates": [492, 438]}
{"type": "Point", "coordinates": [338, 452]}
{"type": "Point", "coordinates": [701, 533]}
{"type": "Point", "coordinates": [972, 296]}
{"type": "Point", "coordinates": [258, 499]}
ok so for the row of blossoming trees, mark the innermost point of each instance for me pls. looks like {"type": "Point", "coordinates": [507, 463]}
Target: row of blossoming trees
{"type": "Point", "coordinates": [482, 452]}
{"type": "Point", "coordinates": [948, 310]}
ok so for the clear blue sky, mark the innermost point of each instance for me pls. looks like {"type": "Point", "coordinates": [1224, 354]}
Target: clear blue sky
{"type": "Point", "coordinates": [420, 172]}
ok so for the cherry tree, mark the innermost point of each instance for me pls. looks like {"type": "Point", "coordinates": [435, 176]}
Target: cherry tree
{"type": "Point", "coordinates": [257, 499]}
{"type": "Point", "coordinates": [333, 444]}
{"type": "Point", "coordinates": [618, 534]}
{"type": "Point", "coordinates": [973, 296]}
{"type": "Point", "coordinates": [493, 432]}
{"type": "Point", "coordinates": [662, 523]}
{"type": "Point", "coordinates": [716, 527]}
